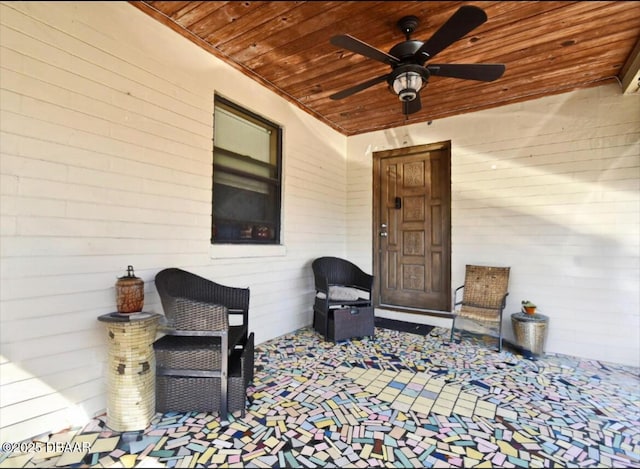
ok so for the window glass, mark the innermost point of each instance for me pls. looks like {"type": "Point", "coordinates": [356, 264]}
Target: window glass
{"type": "Point", "coordinates": [246, 176]}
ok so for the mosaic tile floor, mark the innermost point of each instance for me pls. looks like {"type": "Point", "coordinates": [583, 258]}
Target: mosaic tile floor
{"type": "Point", "coordinates": [396, 400]}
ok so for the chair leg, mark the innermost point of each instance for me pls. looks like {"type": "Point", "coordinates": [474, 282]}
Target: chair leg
{"type": "Point", "coordinates": [453, 325]}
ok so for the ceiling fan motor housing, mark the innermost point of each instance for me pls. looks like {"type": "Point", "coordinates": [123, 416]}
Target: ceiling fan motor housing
{"type": "Point", "coordinates": [406, 50]}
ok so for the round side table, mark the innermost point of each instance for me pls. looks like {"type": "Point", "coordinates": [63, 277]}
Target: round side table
{"type": "Point", "coordinates": [530, 331]}
{"type": "Point", "coordinates": [131, 372]}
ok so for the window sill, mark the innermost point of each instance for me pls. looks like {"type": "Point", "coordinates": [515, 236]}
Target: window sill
{"type": "Point", "coordinates": [230, 251]}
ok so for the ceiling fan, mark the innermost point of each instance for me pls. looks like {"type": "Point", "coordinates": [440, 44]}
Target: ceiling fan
{"type": "Point", "coordinates": [407, 59]}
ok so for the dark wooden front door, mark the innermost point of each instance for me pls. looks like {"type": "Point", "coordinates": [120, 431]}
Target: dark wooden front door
{"type": "Point", "coordinates": [412, 213]}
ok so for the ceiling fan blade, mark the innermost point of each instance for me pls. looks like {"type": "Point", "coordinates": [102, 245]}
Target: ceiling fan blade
{"type": "Point", "coordinates": [462, 22]}
{"type": "Point", "coordinates": [480, 72]}
{"type": "Point", "coordinates": [356, 45]}
{"type": "Point", "coordinates": [360, 87]}
{"type": "Point", "coordinates": [410, 107]}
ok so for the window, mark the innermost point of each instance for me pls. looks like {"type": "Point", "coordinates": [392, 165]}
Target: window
{"type": "Point", "coordinates": [247, 157]}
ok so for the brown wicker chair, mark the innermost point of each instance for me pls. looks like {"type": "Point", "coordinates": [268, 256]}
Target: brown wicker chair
{"type": "Point", "coordinates": [331, 272]}
{"type": "Point", "coordinates": [483, 298]}
{"type": "Point", "coordinates": [204, 363]}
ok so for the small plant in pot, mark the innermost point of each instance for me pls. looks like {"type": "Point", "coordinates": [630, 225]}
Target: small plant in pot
{"type": "Point", "coordinates": [528, 307]}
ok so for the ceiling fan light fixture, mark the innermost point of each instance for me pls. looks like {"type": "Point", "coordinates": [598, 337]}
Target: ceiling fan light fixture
{"type": "Point", "coordinates": [407, 84]}
{"type": "Point", "coordinates": [407, 80]}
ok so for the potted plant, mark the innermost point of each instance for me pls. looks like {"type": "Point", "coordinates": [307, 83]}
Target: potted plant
{"type": "Point", "coordinates": [528, 307]}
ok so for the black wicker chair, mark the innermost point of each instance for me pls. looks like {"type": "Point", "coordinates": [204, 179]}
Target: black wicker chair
{"type": "Point", "coordinates": [182, 293]}
{"type": "Point", "coordinates": [331, 272]}
{"type": "Point", "coordinates": [207, 339]}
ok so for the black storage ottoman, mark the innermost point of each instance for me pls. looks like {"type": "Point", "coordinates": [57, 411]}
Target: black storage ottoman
{"type": "Point", "coordinates": [198, 393]}
{"type": "Point", "coordinates": [348, 322]}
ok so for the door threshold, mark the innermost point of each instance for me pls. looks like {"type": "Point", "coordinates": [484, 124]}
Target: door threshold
{"type": "Point", "coordinates": [410, 310]}
{"type": "Point", "coordinates": [415, 315]}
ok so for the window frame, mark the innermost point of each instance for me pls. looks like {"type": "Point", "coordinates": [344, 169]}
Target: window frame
{"type": "Point", "coordinates": [274, 180]}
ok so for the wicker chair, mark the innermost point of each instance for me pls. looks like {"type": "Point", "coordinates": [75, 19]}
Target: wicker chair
{"type": "Point", "coordinates": [330, 272]}
{"type": "Point", "coordinates": [205, 362]}
{"type": "Point", "coordinates": [483, 298]}
{"type": "Point", "coordinates": [183, 294]}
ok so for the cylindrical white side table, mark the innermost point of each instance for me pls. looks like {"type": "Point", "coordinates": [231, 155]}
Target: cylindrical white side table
{"type": "Point", "coordinates": [131, 371]}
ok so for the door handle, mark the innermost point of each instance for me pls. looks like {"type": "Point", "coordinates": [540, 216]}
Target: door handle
{"type": "Point", "coordinates": [383, 234]}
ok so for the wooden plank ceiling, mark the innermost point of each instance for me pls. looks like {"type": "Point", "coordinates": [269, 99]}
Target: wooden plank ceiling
{"type": "Point", "coordinates": [548, 47]}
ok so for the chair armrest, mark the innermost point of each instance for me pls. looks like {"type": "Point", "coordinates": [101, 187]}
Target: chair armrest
{"type": "Point", "coordinates": [504, 301]}
{"type": "Point", "coordinates": [322, 284]}
{"type": "Point", "coordinates": [363, 281]}
{"type": "Point", "coordinates": [455, 296]}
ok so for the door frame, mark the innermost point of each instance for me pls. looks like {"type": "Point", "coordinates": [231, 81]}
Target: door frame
{"type": "Point", "coordinates": [375, 226]}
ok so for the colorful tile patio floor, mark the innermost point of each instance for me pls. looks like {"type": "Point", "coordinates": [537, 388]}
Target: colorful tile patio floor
{"type": "Point", "coordinates": [396, 400]}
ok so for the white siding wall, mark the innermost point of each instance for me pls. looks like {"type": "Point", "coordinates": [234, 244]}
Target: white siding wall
{"type": "Point", "coordinates": [106, 161]}
{"type": "Point", "coordinates": [550, 187]}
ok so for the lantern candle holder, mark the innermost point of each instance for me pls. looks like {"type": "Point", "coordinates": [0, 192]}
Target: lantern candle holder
{"type": "Point", "coordinates": [129, 293]}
